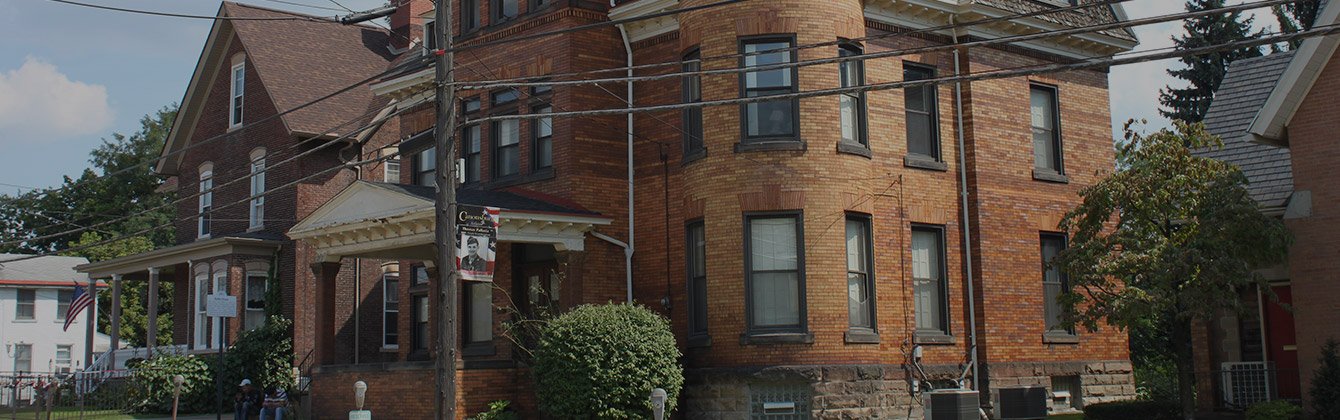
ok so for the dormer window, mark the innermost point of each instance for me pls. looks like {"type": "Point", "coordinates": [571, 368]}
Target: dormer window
{"type": "Point", "coordinates": [238, 85]}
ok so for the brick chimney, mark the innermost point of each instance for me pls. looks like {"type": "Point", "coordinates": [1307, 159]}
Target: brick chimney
{"type": "Point", "coordinates": [407, 21]}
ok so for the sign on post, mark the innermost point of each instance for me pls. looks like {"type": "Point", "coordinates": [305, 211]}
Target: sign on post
{"type": "Point", "coordinates": [221, 305]}
{"type": "Point", "coordinates": [476, 242]}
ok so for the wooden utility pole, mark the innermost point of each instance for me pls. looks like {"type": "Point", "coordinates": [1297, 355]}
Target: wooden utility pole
{"type": "Point", "coordinates": [448, 283]}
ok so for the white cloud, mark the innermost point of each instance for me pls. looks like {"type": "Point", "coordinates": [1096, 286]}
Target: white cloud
{"type": "Point", "coordinates": [39, 103]}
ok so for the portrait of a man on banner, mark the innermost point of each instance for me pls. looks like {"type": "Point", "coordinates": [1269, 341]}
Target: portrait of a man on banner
{"type": "Point", "coordinates": [476, 242]}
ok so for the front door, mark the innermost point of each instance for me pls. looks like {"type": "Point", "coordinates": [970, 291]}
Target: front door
{"type": "Point", "coordinates": [1281, 346]}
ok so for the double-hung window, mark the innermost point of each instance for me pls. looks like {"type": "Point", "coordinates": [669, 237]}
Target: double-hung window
{"type": "Point", "coordinates": [1054, 283]}
{"type": "Point", "coordinates": [692, 92]}
{"type": "Point", "coordinates": [773, 120]}
{"type": "Point", "coordinates": [851, 106]}
{"type": "Point", "coordinates": [697, 272]}
{"type": "Point", "coordinates": [258, 283]}
{"type": "Point", "coordinates": [923, 122]}
{"type": "Point", "coordinates": [239, 79]}
{"type": "Point", "coordinates": [1046, 121]}
{"type": "Point", "coordinates": [470, 141]}
{"type": "Point", "coordinates": [391, 171]}
{"type": "Point", "coordinates": [929, 284]}
{"type": "Point", "coordinates": [23, 357]}
{"type": "Point", "coordinates": [206, 200]}
{"type": "Point", "coordinates": [505, 9]}
{"type": "Point", "coordinates": [543, 145]}
{"type": "Point", "coordinates": [860, 276]}
{"type": "Point", "coordinates": [63, 354]}
{"type": "Point", "coordinates": [26, 306]}
{"type": "Point", "coordinates": [420, 331]}
{"type": "Point", "coordinates": [507, 148]}
{"type": "Point", "coordinates": [63, 299]}
{"type": "Point", "coordinates": [390, 310]}
{"type": "Point", "coordinates": [430, 35]}
{"type": "Point", "coordinates": [469, 15]}
{"type": "Point", "coordinates": [425, 167]}
{"type": "Point", "coordinates": [256, 216]}
{"type": "Point", "coordinates": [775, 274]}
{"type": "Point", "coordinates": [478, 313]}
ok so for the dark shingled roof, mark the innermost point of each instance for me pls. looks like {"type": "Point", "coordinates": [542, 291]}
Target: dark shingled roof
{"type": "Point", "coordinates": [1096, 15]}
{"type": "Point", "coordinates": [300, 61]}
{"type": "Point", "coordinates": [501, 199]}
{"type": "Point", "coordinates": [1240, 97]}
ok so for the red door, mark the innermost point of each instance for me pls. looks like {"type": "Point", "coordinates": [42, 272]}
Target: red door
{"type": "Point", "coordinates": [1281, 347]}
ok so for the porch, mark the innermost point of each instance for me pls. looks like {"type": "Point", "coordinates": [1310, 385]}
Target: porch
{"type": "Point", "coordinates": [1250, 357]}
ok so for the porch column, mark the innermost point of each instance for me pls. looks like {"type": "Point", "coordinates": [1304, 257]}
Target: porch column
{"type": "Point", "coordinates": [151, 311]}
{"type": "Point", "coordinates": [115, 330]}
{"type": "Point", "coordinates": [324, 341]}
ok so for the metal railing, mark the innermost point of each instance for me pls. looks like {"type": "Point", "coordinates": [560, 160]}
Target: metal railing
{"type": "Point", "coordinates": [1244, 384]}
{"type": "Point", "coordinates": [76, 395]}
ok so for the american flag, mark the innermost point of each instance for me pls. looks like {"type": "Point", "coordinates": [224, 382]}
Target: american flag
{"type": "Point", "coordinates": [80, 300]}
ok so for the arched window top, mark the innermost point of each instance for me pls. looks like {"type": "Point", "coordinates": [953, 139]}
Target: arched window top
{"type": "Point", "coordinates": [219, 267]}
{"type": "Point", "coordinates": [391, 268]}
{"type": "Point", "coordinates": [201, 270]}
{"type": "Point", "coordinates": [258, 267]}
{"type": "Point", "coordinates": [257, 154]}
{"type": "Point", "coordinates": [206, 170]}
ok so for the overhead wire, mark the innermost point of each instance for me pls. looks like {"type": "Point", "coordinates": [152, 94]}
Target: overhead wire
{"type": "Point", "coordinates": [180, 15]}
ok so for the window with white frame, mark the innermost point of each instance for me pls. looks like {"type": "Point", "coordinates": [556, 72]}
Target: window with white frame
{"type": "Point", "coordinates": [202, 289]}
{"type": "Point", "coordinates": [256, 218]}
{"type": "Point", "coordinates": [220, 277]}
{"type": "Point", "coordinates": [206, 199]}
{"type": "Point", "coordinates": [391, 169]}
{"type": "Point", "coordinates": [258, 283]}
{"type": "Point", "coordinates": [26, 305]}
{"type": "Point", "coordinates": [63, 361]}
{"type": "Point", "coordinates": [63, 299]}
{"type": "Point", "coordinates": [390, 310]}
{"type": "Point", "coordinates": [238, 87]}
{"type": "Point", "coordinates": [23, 357]}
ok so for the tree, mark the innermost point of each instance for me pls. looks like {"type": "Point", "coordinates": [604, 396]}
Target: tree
{"type": "Point", "coordinates": [134, 294]}
{"type": "Point", "coordinates": [1325, 390]}
{"type": "Point", "coordinates": [1294, 17]}
{"type": "Point", "coordinates": [1170, 234]}
{"type": "Point", "coordinates": [1204, 72]}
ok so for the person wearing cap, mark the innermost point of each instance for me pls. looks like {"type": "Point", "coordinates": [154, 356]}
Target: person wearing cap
{"type": "Point", "coordinates": [246, 401]}
{"type": "Point", "coordinates": [275, 402]}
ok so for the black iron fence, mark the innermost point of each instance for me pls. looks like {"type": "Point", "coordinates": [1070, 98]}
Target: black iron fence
{"type": "Point", "coordinates": [77, 395]}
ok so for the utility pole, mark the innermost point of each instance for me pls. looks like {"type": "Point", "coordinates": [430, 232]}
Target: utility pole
{"type": "Point", "coordinates": [448, 283]}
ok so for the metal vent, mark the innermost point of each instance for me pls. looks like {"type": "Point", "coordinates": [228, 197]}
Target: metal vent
{"type": "Point", "coordinates": [952, 404]}
{"type": "Point", "coordinates": [771, 401]}
{"type": "Point", "coordinates": [1024, 402]}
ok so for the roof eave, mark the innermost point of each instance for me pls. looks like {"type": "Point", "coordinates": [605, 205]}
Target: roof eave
{"type": "Point", "coordinates": [1270, 124]}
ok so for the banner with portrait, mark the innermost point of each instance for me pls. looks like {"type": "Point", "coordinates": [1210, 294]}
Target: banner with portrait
{"type": "Point", "coordinates": [476, 242]}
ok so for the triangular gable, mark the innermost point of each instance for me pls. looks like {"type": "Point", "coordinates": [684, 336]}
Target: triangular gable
{"type": "Point", "coordinates": [1270, 124]}
{"type": "Point", "coordinates": [188, 113]}
{"type": "Point", "coordinates": [361, 201]}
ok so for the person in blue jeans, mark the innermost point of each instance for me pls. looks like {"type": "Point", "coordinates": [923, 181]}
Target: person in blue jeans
{"type": "Point", "coordinates": [246, 401]}
{"type": "Point", "coordinates": [275, 402]}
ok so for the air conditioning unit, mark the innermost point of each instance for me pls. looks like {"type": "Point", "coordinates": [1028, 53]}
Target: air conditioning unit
{"type": "Point", "coordinates": [1021, 402]}
{"type": "Point", "coordinates": [952, 404]}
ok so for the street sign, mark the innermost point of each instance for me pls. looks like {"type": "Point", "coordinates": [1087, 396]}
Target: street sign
{"type": "Point", "coordinates": [360, 415]}
{"type": "Point", "coordinates": [221, 305]}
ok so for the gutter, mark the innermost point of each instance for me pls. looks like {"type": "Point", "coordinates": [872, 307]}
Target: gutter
{"type": "Point", "coordinates": [966, 225]}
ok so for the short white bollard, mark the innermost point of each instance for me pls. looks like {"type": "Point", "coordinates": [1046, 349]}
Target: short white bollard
{"type": "Point", "coordinates": [658, 403]}
{"type": "Point", "coordinates": [360, 391]}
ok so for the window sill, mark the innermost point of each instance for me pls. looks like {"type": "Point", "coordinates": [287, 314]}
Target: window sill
{"type": "Point", "coordinates": [771, 145]}
{"type": "Point", "coordinates": [202, 237]}
{"type": "Point", "coordinates": [1059, 338]}
{"type": "Point", "coordinates": [25, 321]}
{"type": "Point", "coordinates": [700, 341]}
{"type": "Point", "coordinates": [861, 337]}
{"type": "Point", "coordinates": [390, 349]}
{"type": "Point", "coordinates": [1050, 176]}
{"type": "Point", "coordinates": [777, 338]}
{"type": "Point", "coordinates": [254, 229]}
{"type": "Point", "coordinates": [924, 162]}
{"type": "Point", "coordinates": [933, 337]}
{"type": "Point", "coordinates": [854, 149]}
{"type": "Point", "coordinates": [417, 355]}
{"type": "Point", "coordinates": [694, 156]}
{"type": "Point", "coordinates": [418, 289]}
{"type": "Point", "coordinates": [478, 350]}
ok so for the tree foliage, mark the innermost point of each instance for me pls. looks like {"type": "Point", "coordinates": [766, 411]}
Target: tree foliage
{"type": "Point", "coordinates": [134, 294]}
{"type": "Point", "coordinates": [1204, 72]}
{"type": "Point", "coordinates": [1295, 17]}
{"type": "Point", "coordinates": [1170, 234]}
{"type": "Point", "coordinates": [1325, 390]}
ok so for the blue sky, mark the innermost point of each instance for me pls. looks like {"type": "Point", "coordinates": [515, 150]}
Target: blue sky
{"type": "Point", "coordinates": [70, 76]}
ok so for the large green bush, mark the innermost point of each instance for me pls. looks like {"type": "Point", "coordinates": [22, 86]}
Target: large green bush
{"type": "Point", "coordinates": [1126, 410]}
{"type": "Point", "coordinates": [1274, 410]}
{"type": "Point", "coordinates": [263, 355]}
{"type": "Point", "coordinates": [152, 380]}
{"type": "Point", "coordinates": [602, 361]}
{"type": "Point", "coordinates": [1325, 390]}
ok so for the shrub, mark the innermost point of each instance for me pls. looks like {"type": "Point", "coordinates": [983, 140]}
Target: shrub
{"type": "Point", "coordinates": [1325, 390]}
{"type": "Point", "coordinates": [498, 410]}
{"type": "Point", "coordinates": [1156, 380]}
{"type": "Point", "coordinates": [263, 355]}
{"type": "Point", "coordinates": [1274, 410]}
{"type": "Point", "coordinates": [603, 361]}
{"type": "Point", "coordinates": [152, 381]}
{"type": "Point", "coordinates": [1124, 410]}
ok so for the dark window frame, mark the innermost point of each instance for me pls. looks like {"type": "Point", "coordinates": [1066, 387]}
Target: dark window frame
{"type": "Point", "coordinates": [420, 342]}
{"type": "Point", "coordinates": [1063, 278]}
{"type": "Point", "coordinates": [851, 49]}
{"type": "Point", "coordinates": [943, 315]}
{"type": "Point", "coordinates": [536, 139]}
{"type": "Point", "coordinates": [64, 298]}
{"type": "Point", "coordinates": [430, 35]}
{"type": "Point", "coordinates": [745, 138]}
{"type": "Point", "coordinates": [1057, 142]}
{"type": "Point", "coordinates": [390, 315]}
{"type": "Point", "coordinates": [495, 12]}
{"type": "Point", "coordinates": [470, 8]}
{"type": "Point", "coordinates": [803, 319]}
{"type": "Point", "coordinates": [932, 93]}
{"type": "Point", "coordinates": [864, 333]}
{"type": "Point", "coordinates": [472, 155]}
{"type": "Point", "coordinates": [496, 147]}
{"type": "Point", "coordinates": [495, 102]}
{"type": "Point", "coordinates": [416, 166]}
{"type": "Point", "coordinates": [699, 335]}
{"type": "Point", "coordinates": [692, 118]}
{"type": "Point", "coordinates": [468, 347]}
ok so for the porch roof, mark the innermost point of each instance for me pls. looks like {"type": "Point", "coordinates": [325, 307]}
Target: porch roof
{"type": "Point", "coordinates": [379, 220]}
{"type": "Point", "coordinates": [254, 244]}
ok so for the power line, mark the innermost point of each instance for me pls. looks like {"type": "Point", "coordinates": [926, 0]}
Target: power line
{"type": "Point", "coordinates": [1017, 72]}
{"type": "Point", "coordinates": [179, 15]}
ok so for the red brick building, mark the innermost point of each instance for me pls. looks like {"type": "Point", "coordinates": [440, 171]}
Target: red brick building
{"type": "Point", "coordinates": [802, 248]}
{"type": "Point", "coordinates": [1277, 120]}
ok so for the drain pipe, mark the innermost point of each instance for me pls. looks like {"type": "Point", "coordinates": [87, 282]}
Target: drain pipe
{"type": "Point", "coordinates": [963, 195]}
{"type": "Point", "coordinates": [628, 249]}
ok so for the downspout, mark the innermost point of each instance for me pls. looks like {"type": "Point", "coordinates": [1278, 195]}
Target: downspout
{"type": "Point", "coordinates": [628, 250]}
{"type": "Point", "coordinates": [967, 232]}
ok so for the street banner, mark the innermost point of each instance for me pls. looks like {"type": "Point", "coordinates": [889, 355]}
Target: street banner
{"type": "Point", "coordinates": [476, 242]}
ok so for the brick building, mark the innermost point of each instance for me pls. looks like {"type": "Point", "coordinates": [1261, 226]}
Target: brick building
{"type": "Point", "coordinates": [1277, 121]}
{"type": "Point", "coordinates": [801, 248]}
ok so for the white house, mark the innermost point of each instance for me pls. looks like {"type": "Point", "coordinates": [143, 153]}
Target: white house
{"type": "Point", "coordinates": [34, 297]}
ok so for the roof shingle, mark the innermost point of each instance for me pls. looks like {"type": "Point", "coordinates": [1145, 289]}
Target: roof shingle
{"type": "Point", "coordinates": [1240, 97]}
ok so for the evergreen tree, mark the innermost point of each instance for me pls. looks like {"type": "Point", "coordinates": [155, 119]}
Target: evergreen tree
{"type": "Point", "coordinates": [1294, 17]}
{"type": "Point", "coordinates": [1325, 391]}
{"type": "Point", "coordinates": [1204, 72]}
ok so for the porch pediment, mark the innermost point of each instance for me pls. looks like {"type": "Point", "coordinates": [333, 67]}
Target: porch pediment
{"type": "Point", "coordinates": [377, 220]}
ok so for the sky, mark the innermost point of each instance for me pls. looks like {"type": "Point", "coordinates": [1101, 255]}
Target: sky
{"type": "Point", "coordinates": [70, 76]}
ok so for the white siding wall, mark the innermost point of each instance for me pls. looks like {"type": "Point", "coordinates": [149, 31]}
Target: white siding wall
{"type": "Point", "coordinates": [43, 332]}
